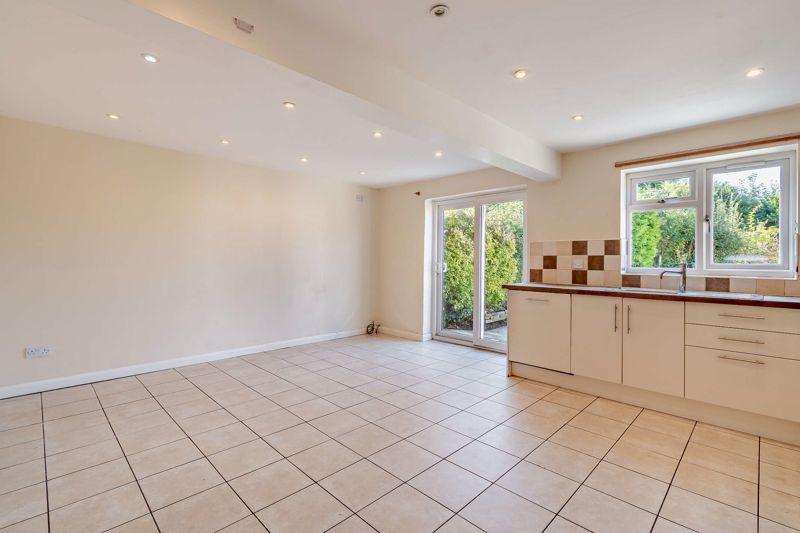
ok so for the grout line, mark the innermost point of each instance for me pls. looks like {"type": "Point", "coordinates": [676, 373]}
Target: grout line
{"type": "Point", "coordinates": [672, 479]}
{"type": "Point", "coordinates": [44, 460]}
{"type": "Point", "coordinates": [758, 489]}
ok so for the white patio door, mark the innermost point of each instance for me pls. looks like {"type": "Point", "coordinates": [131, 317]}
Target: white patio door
{"type": "Point", "coordinates": [480, 244]}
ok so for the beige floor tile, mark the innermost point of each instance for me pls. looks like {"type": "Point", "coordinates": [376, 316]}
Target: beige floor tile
{"type": "Point", "coordinates": [325, 459]}
{"type": "Point", "coordinates": [629, 486]}
{"type": "Point", "coordinates": [312, 510]}
{"type": "Point", "coordinates": [404, 460]}
{"type": "Point", "coordinates": [643, 461]}
{"type": "Point", "coordinates": [552, 410]}
{"type": "Point", "coordinates": [84, 483]}
{"type": "Point", "coordinates": [223, 438]}
{"type": "Point", "coordinates": [702, 514]}
{"type": "Point", "coordinates": [164, 457]}
{"type": "Point", "coordinates": [100, 512]}
{"type": "Point", "coordinates": [67, 395]}
{"type": "Point", "coordinates": [582, 441]}
{"type": "Point", "coordinates": [726, 439]}
{"type": "Point", "coordinates": [405, 509]}
{"type": "Point", "coordinates": [21, 475]}
{"type": "Point", "coordinates": [458, 525]}
{"type": "Point", "coordinates": [169, 387]}
{"type": "Point", "coordinates": [664, 423]}
{"type": "Point", "coordinates": [143, 421]}
{"type": "Point", "coordinates": [779, 507]}
{"type": "Point", "coordinates": [440, 440]}
{"type": "Point", "coordinates": [249, 524]}
{"type": "Point", "coordinates": [252, 408]}
{"type": "Point", "coordinates": [433, 411]}
{"type": "Point", "coordinates": [533, 388]}
{"type": "Point", "coordinates": [599, 425]}
{"type": "Point", "coordinates": [354, 524]}
{"type": "Point", "coordinates": [338, 423]}
{"type": "Point", "coordinates": [80, 458]}
{"type": "Point", "coordinates": [75, 439]}
{"type": "Point", "coordinates": [75, 422]}
{"type": "Point", "coordinates": [537, 425]}
{"type": "Point", "coordinates": [450, 485]}
{"type": "Point", "coordinates": [143, 524]}
{"type": "Point", "coordinates": [429, 389]}
{"type": "Point", "coordinates": [21, 435]}
{"type": "Point", "coordinates": [499, 511]}
{"type": "Point", "coordinates": [768, 526]}
{"type": "Point", "coordinates": [206, 422]}
{"type": "Point", "coordinates": [403, 424]}
{"type": "Point", "coordinates": [614, 410]}
{"type": "Point", "coordinates": [717, 486]}
{"type": "Point", "coordinates": [483, 460]}
{"type": "Point", "coordinates": [468, 424]}
{"type": "Point", "coordinates": [240, 460]}
{"type": "Point", "coordinates": [493, 410]}
{"type": "Point", "coordinates": [780, 478]}
{"type": "Point", "coordinates": [368, 439]}
{"type": "Point", "coordinates": [348, 398]}
{"type": "Point", "coordinates": [780, 456]}
{"type": "Point", "coordinates": [37, 524]}
{"type": "Point", "coordinates": [377, 388]}
{"type": "Point", "coordinates": [160, 376]}
{"type": "Point", "coordinates": [236, 397]}
{"type": "Point", "coordinates": [21, 453]}
{"type": "Point", "coordinates": [458, 399]}
{"type": "Point", "coordinates": [292, 397]}
{"type": "Point", "coordinates": [513, 399]}
{"type": "Point", "coordinates": [110, 400]}
{"type": "Point", "coordinates": [273, 422]}
{"type": "Point", "coordinates": [269, 484]}
{"type": "Point", "coordinates": [189, 394]}
{"type": "Point", "coordinates": [22, 504]}
{"type": "Point", "coordinates": [654, 441]}
{"type": "Point", "coordinates": [562, 525]}
{"type": "Point", "coordinates": [70, 409]}
{"type": "Point", "coordinates": [602, 513]}
{"type": "Point", "coordinates": [726, 462]}
{"type": "Point", "coordinates": [123, 412]}
{"type": "Point", "coordinates": [312, 409]}
{"type": "Point", "coordinates": [208, 511]}
{"type": "Point", "coordinates": [565, 461]}
{"type": "Point", "coordinates": [167, 487]}
{"type": "Point", "coordinates": [511, 440]}
{"type": "Point", "coordinates": [403, 399]}
{"type": "Point", "coordinates": [373, 409]}
{"type": "Point", "coordinates": [539, 485]}
{"type": "Point", "coordinates": [665, 526]}
{"type": "Point", "coordinates": [570, 398]}
{"type": "Point", "coordinates": [152, 437]}
{"type": "Point", "coordinates": [360, 484]}
{"type": "Point", "coordinates": [296, 439]}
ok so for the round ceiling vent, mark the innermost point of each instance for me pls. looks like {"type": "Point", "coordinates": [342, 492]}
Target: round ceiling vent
{"type": "Point", "coordinates": [439, 10]}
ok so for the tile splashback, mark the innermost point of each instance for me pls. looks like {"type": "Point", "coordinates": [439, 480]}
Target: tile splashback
{"type": "Point", "coordinates": [598, 263]}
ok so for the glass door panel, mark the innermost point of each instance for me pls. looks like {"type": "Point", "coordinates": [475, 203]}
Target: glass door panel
{"type": "Point", "coordinates": [503, 246]}
{"type": "Point", "coordinates": [457, 271]}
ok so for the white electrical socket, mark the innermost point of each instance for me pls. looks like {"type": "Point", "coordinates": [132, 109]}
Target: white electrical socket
{"type": "Point", "coordinates": [35, 352]}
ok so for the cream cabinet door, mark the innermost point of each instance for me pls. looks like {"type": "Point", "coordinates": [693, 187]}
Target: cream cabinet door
{"type": "Point", "coordinates": [652, 345]}
{"type": "Point", "coordinates": [538, 329]}
{"type": "Point", "coordinates": [597, 337]}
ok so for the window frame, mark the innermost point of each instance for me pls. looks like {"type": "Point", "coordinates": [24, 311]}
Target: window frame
{"type": "Point", "coordinates": [701, 173]}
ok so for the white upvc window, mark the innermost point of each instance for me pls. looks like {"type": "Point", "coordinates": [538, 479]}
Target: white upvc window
{"type": "Point", "coordinates": [732, 215]}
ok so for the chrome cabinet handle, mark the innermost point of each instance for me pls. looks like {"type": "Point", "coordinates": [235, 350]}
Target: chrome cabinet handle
{"type": "Point", "coordinates": [543, 300]}
{"type": "Point", "coordinates": [728, 315]}
{"type": "Point", "coordinates": [615, 317]}
{"type": "Point", "coordinates": [752, 362]}
{"type": "Point", "coordinates": [629, 319]}
{"type": "Point", "coordinates": [740, 340]}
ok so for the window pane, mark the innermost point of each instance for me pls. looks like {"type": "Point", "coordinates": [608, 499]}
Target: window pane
{"type": "Point", "coordinates": [746, 216]}
{"type": "Point", "coordinates": [663, 238]}
{"type": "Point", "coordinates": [459, 229]}
{"type": "Point", "coordinates": [679, 187]}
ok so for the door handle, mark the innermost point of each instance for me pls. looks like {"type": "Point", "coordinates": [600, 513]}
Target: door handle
{"type": "Point", "coordinates": [616, 307]}
{"type": "Point", "coordinates": [539, 300]}
{"type": "Point", "coordinates": [751, 361]}
{"type": "Point", "coordinates": [729, 315]}
{"type": "Point", "coordinates": [740, 340]}
{"type": "Point", "coordinates": [629, 319]}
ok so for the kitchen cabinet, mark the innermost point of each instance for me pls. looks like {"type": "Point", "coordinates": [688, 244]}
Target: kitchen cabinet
{"type": "Point", "coordinates": [597, 337]}
{"type": "Point", "coordinates": [539, 327]}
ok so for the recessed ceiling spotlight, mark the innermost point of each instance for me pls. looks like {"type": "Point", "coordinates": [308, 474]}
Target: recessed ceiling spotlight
{"type": "Point", "coordinates": [520, 74]}
{"type": "Point", "coordinates": [377, 134]}
{"type": "Point", "coordinates": [438, 153]}
{"type": "Point", "coordinates": [150, 58]}
{"type": "Point", "coordinates": [439, 10]}
{"type": "Point", "coordinates": [112, 116]}
{"type": "Point", "coordinates": [363, 173]}
{"type": "Point", "coordinates": [289, 105]}
{"type": "Point", "coordinates": [224, 141]}
{"type": "Point", "coordinates": [577, 118]}
{"type": "Point", "coordinates": [755, 72]}
{"type": "Point", "coordinates": [304, 159]}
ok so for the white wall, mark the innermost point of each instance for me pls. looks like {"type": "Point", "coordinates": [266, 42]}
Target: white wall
{"type": "Point", "coordinates": [117, 254]}
{"type": "Point", "coordinates": [582, 204]}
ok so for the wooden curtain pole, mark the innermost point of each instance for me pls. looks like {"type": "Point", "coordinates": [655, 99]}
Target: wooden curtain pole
{"type": "Point", "coordinates": [709, 150]}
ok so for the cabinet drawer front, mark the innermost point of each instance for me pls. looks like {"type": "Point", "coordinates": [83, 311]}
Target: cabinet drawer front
{"type": "Point", "coordinates": [744, 316]}
{"type": "Point", "coordinates": [538, 329]}
{"type": "Point", "coordinates": [744, 340]}
{"type": "Point", "coordinates": [764, 385]}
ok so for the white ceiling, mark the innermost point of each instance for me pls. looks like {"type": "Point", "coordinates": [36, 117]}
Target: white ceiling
{"type": "Point", "coordinates": [61, 69]}
{"type": "Point", "coordinates": [632, 67]}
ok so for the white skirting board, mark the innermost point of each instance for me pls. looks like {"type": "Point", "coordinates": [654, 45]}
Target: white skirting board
{"type": "Point", "coordinates": [403, 334]}
{"type": "Point", "coordinates": [755, 424]}
{"type": "Point", "coordinates": [112, 373]}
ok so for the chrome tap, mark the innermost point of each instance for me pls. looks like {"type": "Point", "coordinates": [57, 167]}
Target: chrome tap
{"type": "Point", "coordinates": [681, 273]}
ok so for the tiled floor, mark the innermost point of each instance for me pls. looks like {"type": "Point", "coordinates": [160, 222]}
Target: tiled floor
{"type": "Point", "coordinates": [366, 434]}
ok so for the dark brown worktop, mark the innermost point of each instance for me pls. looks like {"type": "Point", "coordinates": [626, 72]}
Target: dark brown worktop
{"type": "Point", "coordinates": [729, 298]}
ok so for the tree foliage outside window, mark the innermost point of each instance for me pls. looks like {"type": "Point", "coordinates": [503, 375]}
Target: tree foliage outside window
{"type": "Point", "coordinates": [503, 260]}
